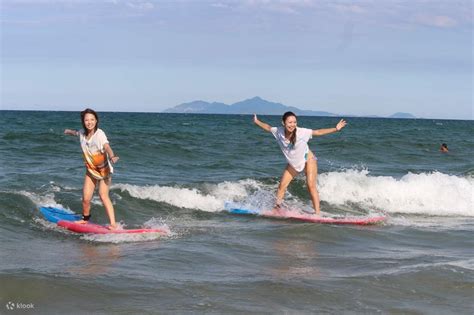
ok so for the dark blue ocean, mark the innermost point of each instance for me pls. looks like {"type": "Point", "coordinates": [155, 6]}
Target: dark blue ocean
{"type": "Point", "coordinates": [178, 170]}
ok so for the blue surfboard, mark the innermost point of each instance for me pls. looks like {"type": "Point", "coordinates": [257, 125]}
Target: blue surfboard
{"type": "Point", "coordinates": [242, 211]}
{"type": "Point", "coordinates": [55, 215]}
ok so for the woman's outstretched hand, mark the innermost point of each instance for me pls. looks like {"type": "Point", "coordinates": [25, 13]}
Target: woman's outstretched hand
{"type": "Point", "coordinates": [261, 124]}
{"type": "Point", "coordinates": [114, 159]}
{"type": "Point", "coordinates": [341, 124]}
{"type": "Point", "coordinates": [70, 132]}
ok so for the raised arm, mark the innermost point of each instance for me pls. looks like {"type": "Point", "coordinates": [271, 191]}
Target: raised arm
{"type": "Point", "coordinates": [321, 132]}
{"type": "Point", "coordinates": [71, 132]}
{"type": "Point", "coordinates": [261, 124]}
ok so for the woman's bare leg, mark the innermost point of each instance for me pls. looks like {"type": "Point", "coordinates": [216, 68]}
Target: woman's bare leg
{"type": "Point", "coordinates": [87, 193]}
{"type": "Point", "coordinates": [288, 174]}
{"type": "Point", "coordinates": [104, 187]}
{"type": "Point", "coordinates": [311, 171]}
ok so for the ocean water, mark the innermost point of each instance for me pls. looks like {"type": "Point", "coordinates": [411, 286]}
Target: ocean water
{"type": "Point", "coordinates": [179, 170]}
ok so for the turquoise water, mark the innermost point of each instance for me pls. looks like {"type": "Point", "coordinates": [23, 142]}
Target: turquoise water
{"type": "Point", "coordinates": [179, 170]}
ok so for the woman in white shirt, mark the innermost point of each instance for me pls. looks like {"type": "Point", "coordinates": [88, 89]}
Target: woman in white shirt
{"type": "Point", "coordinates": [98, 158]}
{"type": "Point", "coordinates": [293, 143]}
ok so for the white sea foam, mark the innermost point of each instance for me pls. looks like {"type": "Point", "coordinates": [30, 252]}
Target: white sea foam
{"type": "Point", "coordinates": [158, 223]}
{"type": "Point", "coordinates": [132, 237]}
{"type": "Point", "coordinates": [46, 200]}
{"type": "Point", "coordinates": [426, 193]}
{"type": "Point", "coordinates": [46, 226]}
{"type": "Point", "coordinates": [211, 200]}
{"type": "Point", "coordinates": [121, 238]}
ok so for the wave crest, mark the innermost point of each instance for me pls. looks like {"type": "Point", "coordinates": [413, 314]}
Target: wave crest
{"type": "Point", "coordinates": [426, 193]}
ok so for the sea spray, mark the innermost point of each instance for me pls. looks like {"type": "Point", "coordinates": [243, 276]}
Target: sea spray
{"type": "Point", "coordinates": [425, 193]}
{"type": "Point", "coordinates": [211, 199]}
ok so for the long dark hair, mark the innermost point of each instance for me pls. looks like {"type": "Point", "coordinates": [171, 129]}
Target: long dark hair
{"type": "Point", "coordinates": [83, 114]}
{"type": "Point", "coordinates": [293, 134]}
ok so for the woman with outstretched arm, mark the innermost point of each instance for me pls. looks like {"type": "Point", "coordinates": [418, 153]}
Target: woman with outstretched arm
{"type": "Point", "coordinates": [293, 142]}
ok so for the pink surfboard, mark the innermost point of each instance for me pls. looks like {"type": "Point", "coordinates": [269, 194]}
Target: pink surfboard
{"type": "Point", "coordinates": [67, 219]}
{"type": "Point", "coordinates": [311, 218]}
{"type": "Point", "coordinates": [92, 228]}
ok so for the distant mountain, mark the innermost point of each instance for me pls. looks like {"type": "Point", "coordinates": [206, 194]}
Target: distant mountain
{"type": "Point", "coordinates": [199, 107]}
{"type": "Point", "coordinates": [402, 115]}
{"type": "Point", "coordinates": [255, 105]}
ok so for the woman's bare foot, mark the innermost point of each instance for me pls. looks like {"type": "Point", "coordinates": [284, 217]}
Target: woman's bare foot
{"type": "Point", "coordinates": [113, 227]}
{"type": "Point", "coordinates": [277, 208]}
{"type": "Point", "coordinates": [308, 211]}
{"type": "Point", "coordinates": [84, 220]}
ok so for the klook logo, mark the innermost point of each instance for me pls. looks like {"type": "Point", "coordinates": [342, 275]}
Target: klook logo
{"type": "Point", "coordinates": [10, 306]}
{"type": "Point", "coordinates": [19, 306]}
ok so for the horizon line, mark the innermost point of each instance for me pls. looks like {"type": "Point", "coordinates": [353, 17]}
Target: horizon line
{"type": "Point", "coordinates": [158, 112]}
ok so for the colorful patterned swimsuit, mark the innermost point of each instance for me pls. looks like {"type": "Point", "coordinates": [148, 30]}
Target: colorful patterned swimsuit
{"type": "Point", "coordinates": [95, 158]}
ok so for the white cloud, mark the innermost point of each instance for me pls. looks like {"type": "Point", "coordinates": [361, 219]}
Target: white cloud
{"type": "Point", "coordinates": [141, 5]}
{"type": "Point", "coordinates": [136, 4]}
{"type": "Point", "coordinates": [220, 5]}
{"type": "Point", "coordinates": [352, 8]}
{"type": "Point", "coordinates": [437, 20]}
{"type": "Point", "coordinates": [282, 6]}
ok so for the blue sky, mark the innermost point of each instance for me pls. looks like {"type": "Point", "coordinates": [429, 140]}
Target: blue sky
{"type": "Point", "coordinates": [366, 57]}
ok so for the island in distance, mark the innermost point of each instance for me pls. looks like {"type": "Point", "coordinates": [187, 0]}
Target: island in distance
{"type": "Point", "coordinates": [255, 105]}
